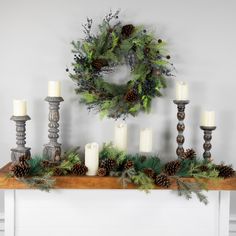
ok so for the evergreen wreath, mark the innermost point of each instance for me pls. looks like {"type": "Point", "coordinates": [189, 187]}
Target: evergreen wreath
{"type": "Point", "coordinates": [114, 45]}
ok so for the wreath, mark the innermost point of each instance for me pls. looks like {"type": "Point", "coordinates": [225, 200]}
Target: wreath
{"type": "Point", "coordinates": [98, 55]}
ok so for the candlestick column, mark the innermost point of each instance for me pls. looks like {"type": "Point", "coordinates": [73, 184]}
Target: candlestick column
{"type": "Point", "coordinates": [52, 150]}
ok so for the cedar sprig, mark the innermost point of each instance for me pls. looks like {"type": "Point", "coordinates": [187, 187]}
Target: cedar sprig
{"type": "Point", "coordinates": [143, 182]}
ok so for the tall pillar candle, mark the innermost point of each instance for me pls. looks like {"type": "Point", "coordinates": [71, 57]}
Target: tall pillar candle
{"type": "Point", "coordinates": [145, 142]}
{"type": "Point", "coordinates": [92, 158]}
{"type": "Point", "coordinates": [208, 119]}
{"type": "Point", "coordinates": [181, 91]}
{"type": "Point", "coordinates": [120, 139]}
{"type": "Point", "coordinates": [19, 108]}
{"type": "Point", "coordinates": [54, 89]}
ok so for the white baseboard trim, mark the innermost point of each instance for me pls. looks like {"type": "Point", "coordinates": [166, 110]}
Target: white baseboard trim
{"type": "Point", "coordinates": [1, 222]}
{"type": "Point", "coordinates": [232, 224]}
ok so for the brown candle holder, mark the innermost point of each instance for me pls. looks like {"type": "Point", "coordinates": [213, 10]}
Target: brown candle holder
{"type": "Point", "coordinates": [207, 144]}
{"type": "Point", "coordinates": [180, 126]}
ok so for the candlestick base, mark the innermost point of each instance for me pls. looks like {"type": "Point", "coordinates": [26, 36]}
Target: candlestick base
{"type": "Point", "coordinates": [52, 152]}
{"type": "Point", "coordinates": [17, 153]}
{"type": "Point", "coordinates": [207, 144]}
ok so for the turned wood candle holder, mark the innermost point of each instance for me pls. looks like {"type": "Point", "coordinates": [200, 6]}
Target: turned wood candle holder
{"type": "Point", "coordinates": [52, 150]}
{"type": "Point", "coordinates": [207, 144]}
{"type": "Point", "coordinates": [20, 150]}
{"type": "Point", "coordinates": [180, 126]}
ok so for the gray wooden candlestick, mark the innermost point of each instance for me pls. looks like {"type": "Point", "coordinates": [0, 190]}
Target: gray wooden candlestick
{"type": "Point", "coordinates": [207, 138]}
{"type": "Point", "coordinates": [180, 126]}
{"type": "Point", "coordinates": [52, 150]}
{"type": "Point", "coordinates": [20, 149]}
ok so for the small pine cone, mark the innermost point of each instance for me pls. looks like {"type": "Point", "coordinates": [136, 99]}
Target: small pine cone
{"type": "Point", "coordinates": [189, 154]}
{"type": "Point", "coordinates": [146, 50]}
{"type": "Point", "coordinates": [131, 96]}
{"type": "Point", "coordinates": [162, 180]}
{"type": "Point", "coordinates": [58, 172]}
{"type": "Point", "coordinates": [172, 167]}
{"type": "Point", "coordinates": [203, 168]}
{"type": "Point", "coordinates": [225, 171]}
{"type": "Point", "coordinates": [127, 30]}
{"type": "Point", "coordinates": [99, 63]}
{"type": "Point", "coordinates": [102, 172]}
{"type": "Point", "coordinates": [128, 165]}
{"type": "Point", "coordinates": [150, 173]}
{"type": "Point", "coordinates": [79, 169]}
{"type": "Point", "coordinates": [20, 171]}
{"type": "Point", "coordinates": [109, 164]}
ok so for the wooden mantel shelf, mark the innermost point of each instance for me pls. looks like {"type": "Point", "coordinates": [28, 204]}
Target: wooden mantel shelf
{"type": "Point", "coordinates": [95, 182]}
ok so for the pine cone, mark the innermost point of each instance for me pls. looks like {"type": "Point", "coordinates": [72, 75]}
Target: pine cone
{"type": "Point", "coordinates": [79, 169]}
{"type": "Point", "coordinates": [99, 63]}
{"type": "Point", "coordinates": [225, 171]}
{"type": "Point", "coordinates": [127, 30]}
{"type": "Point", "coordinates": [162, 180]}
{"type": "Point", "coordinates": [58, 172]}
{"type": "Point", "coordinates": [189, 154]}
{"type": "Point", "coordinates": [20, 169]}
{"type": "Point", "coordinates": [48, 164]}
{"type": "Point", "coordinates": [131, 96]}
{"type": "Point", "coordinates": [128, 165]}
{"type": "Point", "coordinates": [109, 164]}
{"type": "Point", "coordinates": [203, 168]}
{"type": "Point", "coordinates": [172, 167]}
{"type": "Point", "coordinates": [150, 173]}
{"type": "Point", "coordinates": [146, 50]}
{"type": "Point", "coordinates": [102, 172]}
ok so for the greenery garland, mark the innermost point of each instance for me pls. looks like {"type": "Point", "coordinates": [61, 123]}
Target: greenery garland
{"type": "Point", "coordinates": [114, 45]}
{"type": "Point", "coordinates": [143, 171]}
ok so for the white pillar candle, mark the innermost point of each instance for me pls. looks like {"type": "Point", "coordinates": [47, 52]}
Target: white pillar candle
{"type": "Point", "coordinates": [145, 142]}
{"type": "Point", "coordinates": [19, 108]}
{"type": "Point", "coordinates": [92, 158]}
{"type": "Point", "coordinates": [54, 89]}
{"type": "Point", "coordinates": [181, 91]}
{"type": "Point", "coordinates": [208, 118]}
{"type": "Point", "coordinates": [120, 139]}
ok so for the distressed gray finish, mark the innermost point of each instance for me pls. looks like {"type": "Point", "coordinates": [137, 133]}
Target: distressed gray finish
{"type": "Point", "coordinates": [52, 150]}
{"type": "Point", "coordinates": [20, 149]}
{"type": "Point", "coordinates": [207, 138]}
{"type": "Point", "coordinates": [180, 126]}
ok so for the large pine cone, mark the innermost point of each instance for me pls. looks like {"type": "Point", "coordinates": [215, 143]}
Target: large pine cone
{"type": "Point", "coordinates": [162, 180]}
{"type": "Point", "coordinates": [99, 63]}
{"type": "Point", "coordinates": [172, 167]}
{"type": "Point", "coordinates": [225, 171]}
{"type": "Point", "coordinates": [58, 172]}
{"type": "Point", "coordinates": [20, 169]}
{"type": "Point", "coordinates": [189, 154]}
{"type": "Point", "coordinates": [127, 30]}
{"type": "Point", "coordinates": [79, 169]}
{"type": "Point", "coordinates": [150, 173]}
{"type": "Point", "coordinates": [109, 164]}
{"type": "Point", "coordinates": [128, 165]}
{"type": "Point", "coordinates": [102, 172]}
{"type": "Point", "coordinates": [131, 96]}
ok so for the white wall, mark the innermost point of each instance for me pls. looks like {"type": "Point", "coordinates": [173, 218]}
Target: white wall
{"type": "Point", "coordinates": [35, 47]}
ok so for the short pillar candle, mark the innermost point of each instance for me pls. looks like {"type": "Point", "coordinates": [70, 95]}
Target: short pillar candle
{"type": "Point", "coordinates": [19, 107]}
{"type": "Point", "coordinates": [92, 158]}
{"type": "Point", "coordinates": [120, 139]}
{"type": "Point", "coordinates": [54, 89]}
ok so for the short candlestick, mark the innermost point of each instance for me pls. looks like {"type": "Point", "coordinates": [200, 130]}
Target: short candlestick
{"type": "Point", "coordinates": [52, 150]}
{"type": "Point", "coordinates": [180, 126]}
{"type": "Point", "coordinates": [20, 149]}
{"type": "Point", "coordinates": [207, 138]}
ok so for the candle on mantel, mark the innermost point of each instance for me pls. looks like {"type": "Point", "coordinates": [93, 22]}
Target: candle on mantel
{"type": "Point", "coordinates": [19, 108]}
{"type": "Point", "coordinates": [145, 142]}
{"type": "Point", "coordinates": [120, 139]}
{"type": "Point", "coordinates": [92, 158]}
{"type": "Point", "coordinates": [208, 119]}
{"type": "Point", "coordinates": [181, 91]}
{"type": "Point", "coordinates": [54, 89]}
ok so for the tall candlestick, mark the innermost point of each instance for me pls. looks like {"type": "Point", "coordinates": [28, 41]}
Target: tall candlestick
{"type": "Point", "coordinates": [19, 108]}
{"type": "Point", "coordinates": [180, 126]}
{"type": "Point", "coordinates": [145, 143]}
{"type": "Point", "coordinates": [120, 139]}
{"type": "Point", "coordinates": [54, 89]}
{"type": "Point", "coordinates": [208, 119]}
{"type": "Point", "coordinates": [92, 158]}
{"type": "Point", "coordinates": [181, 91]}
